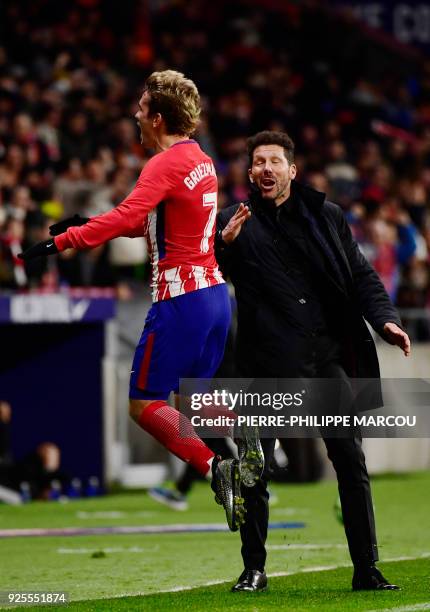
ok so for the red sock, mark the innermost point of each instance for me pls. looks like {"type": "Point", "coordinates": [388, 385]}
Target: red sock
{"type": "Point", "coordinates": [175, 432]}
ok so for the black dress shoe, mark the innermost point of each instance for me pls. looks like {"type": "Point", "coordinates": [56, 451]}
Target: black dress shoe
{"type": "Point", "coordinates": [371, 579]}
{"type": "Point", "coordinates": [251, 580]}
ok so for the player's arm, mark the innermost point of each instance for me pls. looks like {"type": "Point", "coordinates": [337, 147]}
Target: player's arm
{"type": "Point", "coordinates": [59, 228]}
{"type": "Point", "coordinates": [127, 219]}
{"type": "Point", "coordinates": [48, 247]}
{"type": "Point", "coordinates": [64, 224]}
{"type": "Point", "coordinates": [123, 220]}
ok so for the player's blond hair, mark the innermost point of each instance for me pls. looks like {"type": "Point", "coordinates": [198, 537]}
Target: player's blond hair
{"type": "Point", "coordinates": [177, 100]}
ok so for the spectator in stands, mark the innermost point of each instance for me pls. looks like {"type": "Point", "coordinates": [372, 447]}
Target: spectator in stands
{"type": "Point", "coordinates": [64, 107]}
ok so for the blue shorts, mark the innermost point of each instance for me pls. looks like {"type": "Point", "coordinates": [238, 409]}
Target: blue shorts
{"type": "Point", "coordinates": [183, 337]}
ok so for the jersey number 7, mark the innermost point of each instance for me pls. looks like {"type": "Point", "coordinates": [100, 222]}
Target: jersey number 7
{"type": "Point", "coordinates": [209, 199]}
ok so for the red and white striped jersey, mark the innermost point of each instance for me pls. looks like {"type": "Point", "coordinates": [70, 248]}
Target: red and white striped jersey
{"type": "Point", "coordinates": [173, 204]}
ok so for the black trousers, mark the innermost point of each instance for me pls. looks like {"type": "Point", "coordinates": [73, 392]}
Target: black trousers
{"type": "Point", "coordinates": [348, 460]}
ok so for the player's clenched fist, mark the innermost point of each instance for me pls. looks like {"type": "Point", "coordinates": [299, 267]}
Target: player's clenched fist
{"type": "Point", "coordinates": [233, 227]}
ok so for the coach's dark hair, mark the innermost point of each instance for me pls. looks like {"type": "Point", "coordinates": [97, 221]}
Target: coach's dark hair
{"type": "Point", "coordinates": [267, 138]}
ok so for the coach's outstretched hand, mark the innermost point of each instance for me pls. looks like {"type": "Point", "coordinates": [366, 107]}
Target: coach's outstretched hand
{"type": "Point", "coordinates": [233, 227]}
{"type": "Point", "coordinates": [62, 226]}
{"type": "Point", "coordinates": [39, 250]}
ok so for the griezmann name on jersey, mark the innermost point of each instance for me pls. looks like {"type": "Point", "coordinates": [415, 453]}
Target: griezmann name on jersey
{"type": "Point", "coordinates": [174, 205]}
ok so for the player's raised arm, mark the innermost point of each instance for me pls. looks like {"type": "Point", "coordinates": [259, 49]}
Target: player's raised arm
{"type": "Point", "coordinates": [127, 219]}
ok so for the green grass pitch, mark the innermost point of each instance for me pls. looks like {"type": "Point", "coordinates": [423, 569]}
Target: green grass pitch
{"type": "Point", "coordinates": [141, 572]}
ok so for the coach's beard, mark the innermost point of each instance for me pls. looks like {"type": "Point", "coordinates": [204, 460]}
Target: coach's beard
{"type": "Point", "coordinates": [270, 189]}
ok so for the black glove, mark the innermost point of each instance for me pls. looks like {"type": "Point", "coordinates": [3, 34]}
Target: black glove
{"type": "Point", "coordinates": [39, 250]}
{"type": "Point", "coordinates": [62, 226]}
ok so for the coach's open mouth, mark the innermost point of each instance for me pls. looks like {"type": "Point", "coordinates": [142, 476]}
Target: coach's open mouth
{"type": "Point", "coordinates": [268, 184]}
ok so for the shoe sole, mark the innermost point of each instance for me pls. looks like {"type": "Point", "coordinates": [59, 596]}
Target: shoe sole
{"type": "Point", "coordinates": [178, 506]}
{"type": "Point", "coordinates": [387, 587]}
{"type": "Point", "coordinates": [262, 590]}
{"type": "Point", "coordinates": [252, 464]}
{"type": "Point", "coordinates": [235, 516]}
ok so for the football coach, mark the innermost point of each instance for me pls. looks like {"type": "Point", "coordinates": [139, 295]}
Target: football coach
{"type": "Point", "coordinates": [303, 291]}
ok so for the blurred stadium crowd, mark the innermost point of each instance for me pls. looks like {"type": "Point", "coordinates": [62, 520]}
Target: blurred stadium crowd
{"type": "Point", "coordinates": [70, 77]}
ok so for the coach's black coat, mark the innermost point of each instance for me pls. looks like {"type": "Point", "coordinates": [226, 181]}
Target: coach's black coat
{"type": "Point", "coordinates": [269, 342]}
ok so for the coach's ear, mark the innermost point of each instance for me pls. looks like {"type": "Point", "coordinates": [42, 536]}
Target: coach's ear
{"type": "Point", "coordinates": [251, 180]}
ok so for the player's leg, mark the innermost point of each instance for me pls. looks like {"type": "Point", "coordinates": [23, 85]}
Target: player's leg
{"type": "Point", "coordinates": [170, 344]}
{"type": "Point", "coordinates": [226, 426]}
{"type": "Point", "coordinates": [212, 305]}
{"type": "Point", "coordinates": [189, 476]}
{"type": "Point", "coordinates": [154, 375]}
{"type": "Point", "coordinates": [173, 430]}
{"type": "Point", "coordinates": [209, 310]}
{"type": "Point", "coordinates": [176, 498]}
{"type": "Point", "coordinates": [251, 457]}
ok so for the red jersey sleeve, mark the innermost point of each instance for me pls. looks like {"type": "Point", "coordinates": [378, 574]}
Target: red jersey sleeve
{"type": "Point", "coordinates": [128, 218]}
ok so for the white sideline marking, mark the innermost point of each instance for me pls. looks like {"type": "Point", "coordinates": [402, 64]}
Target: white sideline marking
{"type": "Point", "coordinates": [304, 546]}
{"type": "Point", "coordinates": [138, 549]}
{"type": "Point", "coordinates": [131, 529]}
{"type": "Point", "coordinates": [420, 606]}
{"type": "Point", "coordinates": [113, 549]}
{"type": "Point", "coordinates": [113, 514]}
{"type": "Point", "coordinates": [320, 568]}
{"type": "Point", "coordinates": [304, 570]}
{"type": "Point", "coordinates": [289, 511]}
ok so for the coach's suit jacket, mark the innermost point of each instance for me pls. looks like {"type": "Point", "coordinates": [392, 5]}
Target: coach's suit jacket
{"type": "Point", "coordinates": [267, 345]}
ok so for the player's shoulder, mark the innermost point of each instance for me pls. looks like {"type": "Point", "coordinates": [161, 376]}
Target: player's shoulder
{"type": "Point", "coordinates": [187, 153]}
{"type": "Point", "coordinates": [159, 166]}
{"type": "Point", "coordinates": [154, 163]}
{"type": "Point", "coordinates": [185, 148]}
